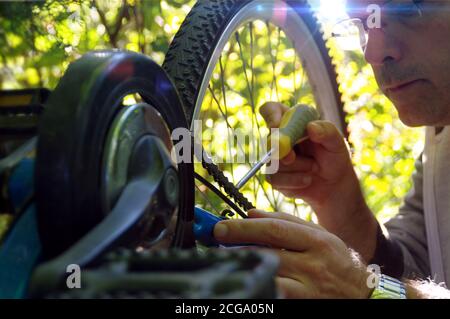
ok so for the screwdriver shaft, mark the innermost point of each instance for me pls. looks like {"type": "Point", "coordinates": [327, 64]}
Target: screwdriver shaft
{"type": "Point", "coordinates": [254, 169]}
{"type": "Point", "coordinates": [261, 163]}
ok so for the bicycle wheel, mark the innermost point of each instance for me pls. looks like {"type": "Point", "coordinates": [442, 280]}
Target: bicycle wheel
{"type": "Point", "coordinates": [231, 56]}
{"type": "Point", "coordinates": [103, 106]}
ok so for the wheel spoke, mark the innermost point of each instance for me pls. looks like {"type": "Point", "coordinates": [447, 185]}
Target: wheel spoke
{"type": "Point", "coordinates": [224, 97]}
{"type": "Point", "coordinates": [223, 115]}
{"type": "Point", "coordinates": [252, 66]}
{"type": "Point", "coordinates": [244, 67]}
{"type": "Point", "coordinates": [222, 86]}
{"type": "Point", "coordinates": [302, 81]}
{"type": "Point", "coordinates": [274, 60]}
{"type": "Point", "coordinates": [207, 200]}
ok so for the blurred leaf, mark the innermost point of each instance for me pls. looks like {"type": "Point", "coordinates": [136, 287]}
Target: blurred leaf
{"type": "Point", "coordinates": [55, 55]}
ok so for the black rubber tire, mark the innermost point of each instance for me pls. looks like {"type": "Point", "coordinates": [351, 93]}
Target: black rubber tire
{"type": "Point", "coordinates": [72, 132]}
{"type": "Point", "coordinates": [193, 45]}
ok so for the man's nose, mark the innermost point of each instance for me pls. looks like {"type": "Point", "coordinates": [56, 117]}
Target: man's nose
{"type": "Point", "coordinates": [381, 47]}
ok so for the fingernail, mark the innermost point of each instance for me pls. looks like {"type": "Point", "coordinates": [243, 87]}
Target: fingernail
{"type": "Point", "coordinates": [307, 180]}
{"type": "Point", "coordinates": [318, 129]}
{"type": "Point", "coordinates": [220, 230]}
{"type": "Point", "coordinates": [256, 211]}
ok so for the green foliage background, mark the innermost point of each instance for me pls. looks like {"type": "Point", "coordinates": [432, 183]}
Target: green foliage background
{"type": "Point", "coordinates": [39, 39]}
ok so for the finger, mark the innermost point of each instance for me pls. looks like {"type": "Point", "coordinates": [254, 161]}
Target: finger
{"type": "Point", "coordinates": [291, 264]}
{"type": "Point", "coordinates": [256, 213]}
{"type": "Point", "coordinates": [290, 181]}
{"type": "Point", "coordinates": [290, 193]}
{"type": "Point", "coordinates": [288, 159]}
{"type": "Point", "coordinates": [267, 232]}
{"type": "Point", "coordinates": [326, 134]}
{"type": "Point", "coordinates": [272, 112]}
{"type": "Point", "coordinates": [300, 164]}
{"type": "Point", "coordinates": [290, 288]}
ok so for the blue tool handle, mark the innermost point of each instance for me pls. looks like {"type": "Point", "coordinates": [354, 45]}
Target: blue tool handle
{"type": "Point", "coordinates": [204, 223]}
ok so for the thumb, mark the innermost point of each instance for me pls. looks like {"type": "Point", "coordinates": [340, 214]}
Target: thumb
{"type": "Point", "coordinates": [272, 112]}
{"type": "Point", "coordinates": [327, 135]}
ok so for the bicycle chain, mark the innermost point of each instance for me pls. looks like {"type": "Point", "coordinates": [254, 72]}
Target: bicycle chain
{"type": "Point", "coordinates": [224, 182]}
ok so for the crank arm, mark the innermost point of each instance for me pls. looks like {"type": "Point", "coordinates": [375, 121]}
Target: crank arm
{"type": "Point", "coordinates": [128, 212]}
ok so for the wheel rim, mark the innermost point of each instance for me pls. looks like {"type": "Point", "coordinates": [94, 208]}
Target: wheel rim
{"type": "Point", "coordinates": [296, 30]}
{"type": "Point", "coordinates": [283, 22]}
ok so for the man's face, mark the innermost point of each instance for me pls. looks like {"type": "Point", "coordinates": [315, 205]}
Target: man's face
{"type": "Point", "coordinates": [411, 61]}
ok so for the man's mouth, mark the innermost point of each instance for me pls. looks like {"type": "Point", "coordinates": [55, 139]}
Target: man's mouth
{"type": "Point", "coordinates": [400, 87]}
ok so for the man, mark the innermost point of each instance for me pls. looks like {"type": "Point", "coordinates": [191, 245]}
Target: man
{"type": "Point", "coordinates": [410, 56]}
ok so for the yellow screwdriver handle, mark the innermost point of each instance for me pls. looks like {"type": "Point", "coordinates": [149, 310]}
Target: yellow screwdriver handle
{"type": "Point", "coordinates": [292, 128]}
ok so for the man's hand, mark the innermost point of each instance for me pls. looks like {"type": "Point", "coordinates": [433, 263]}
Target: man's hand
{"type": "Point", "coordinates": [313, 262]}
{"type": "Point", "coordinates": [320, 172]}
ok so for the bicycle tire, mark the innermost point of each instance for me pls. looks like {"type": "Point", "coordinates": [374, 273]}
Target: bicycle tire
{"type": "Point", "coordinates": [191, 49]}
